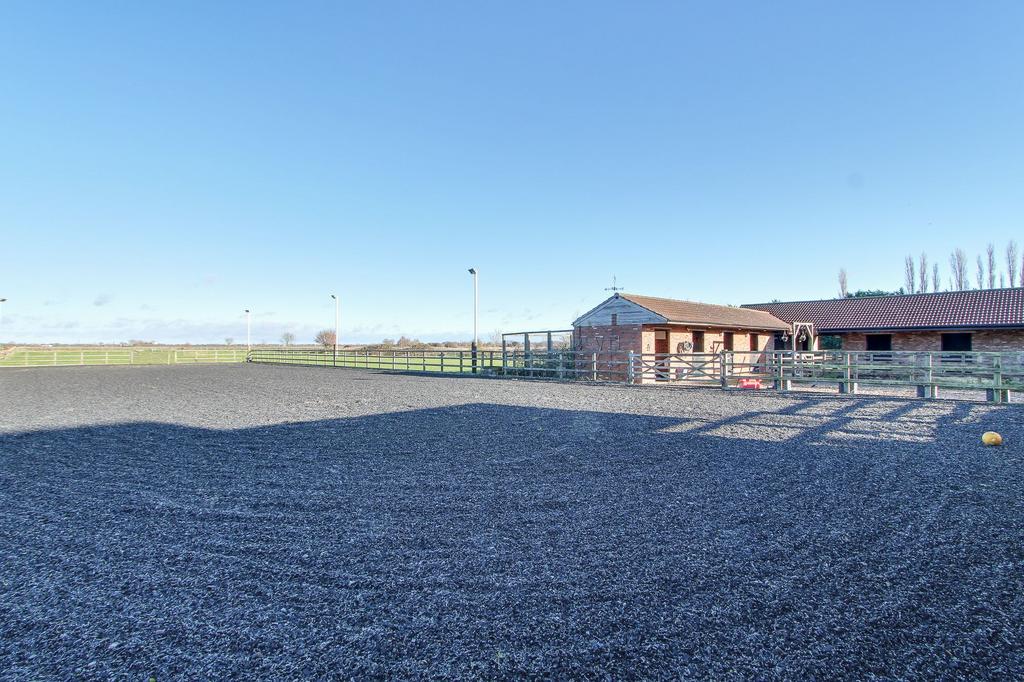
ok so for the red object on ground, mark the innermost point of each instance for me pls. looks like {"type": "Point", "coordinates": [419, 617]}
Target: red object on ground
{"type": "Point", "coordinates": [750, 383]}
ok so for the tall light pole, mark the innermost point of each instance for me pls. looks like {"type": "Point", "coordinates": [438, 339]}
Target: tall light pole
{"type": "Point", "coordinates": [248, 329]}
{"type": "Point", "coordinates": [337, 325]}
{"type": "Point", "coordinates": [476, 313]}
{"type": "Point", "coordinates": [2, 301]}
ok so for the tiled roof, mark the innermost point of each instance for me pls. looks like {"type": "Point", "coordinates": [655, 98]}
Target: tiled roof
{"type": "Point", "coordinates": [691, 312]}
{"type": "Point", "coordinates": [943, 310]}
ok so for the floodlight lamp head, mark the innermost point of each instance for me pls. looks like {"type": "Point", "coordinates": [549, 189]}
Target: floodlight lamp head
{"type": "Point", "coordinates": [472, 271]}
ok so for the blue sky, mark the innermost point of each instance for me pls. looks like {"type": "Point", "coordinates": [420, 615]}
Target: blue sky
{"type": "Point", "coordinates": [163, 167]}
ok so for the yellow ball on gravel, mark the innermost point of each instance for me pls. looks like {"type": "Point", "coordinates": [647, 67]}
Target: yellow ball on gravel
{"type": "Point", "coordinates": [991, 438]}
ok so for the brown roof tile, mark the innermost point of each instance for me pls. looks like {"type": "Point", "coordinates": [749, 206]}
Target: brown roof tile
{"type": "Point", "coordinates": [691, 312]}
{"type": "Point", "coordinates": [943, 310]}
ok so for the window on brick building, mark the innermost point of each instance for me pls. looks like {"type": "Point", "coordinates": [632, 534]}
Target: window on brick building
{"type": "Point", "coordinates": [956, 343]}
{"type": "Point", "coordinates": [755, 342]}
{"type": "Point", "coordinates": [830, 342]}
{"type": "Point", "coordinates": [727, 341]}
{"type": "Point", "coordinates": [881, 342]}
{"type": "Point", "coordinates": [615, 319]}
{"type": "Point", "coordinates": [698, 342]}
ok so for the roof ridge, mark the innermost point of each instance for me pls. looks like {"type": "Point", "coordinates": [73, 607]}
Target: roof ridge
{"type": "Point", "coordinates": [681, 300]}
{"type": "Point", "coordinates": [877, 296]}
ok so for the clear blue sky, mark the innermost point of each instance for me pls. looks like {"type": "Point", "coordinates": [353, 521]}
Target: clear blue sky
{"type": "Point", "coordinates": [163, 168]}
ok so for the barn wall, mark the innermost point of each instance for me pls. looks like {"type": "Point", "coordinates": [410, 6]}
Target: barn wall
{"type": "Point", "coordinates": [984, 340]}
{"type": "Point", "coordinates": [640, 339]}
{"type": "Point", "coordinates": [999, 340]}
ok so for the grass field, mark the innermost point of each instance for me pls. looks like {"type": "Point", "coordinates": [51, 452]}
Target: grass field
{"type": "Point", "coordinates": [64, 357]}
{"type": "Point", "coordinates": [266, 522]}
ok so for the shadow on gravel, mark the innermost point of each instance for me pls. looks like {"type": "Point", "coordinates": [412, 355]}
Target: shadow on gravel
{"type": "Point", "coordinates": [495, 541]}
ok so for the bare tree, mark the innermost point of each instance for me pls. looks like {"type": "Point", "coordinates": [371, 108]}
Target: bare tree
{"type": "Point", "coordinates": [325, 337]}
{"type": "Point", "coordinates": [981, 274]}
{"type": "Point", "coordinates": [909, 274]}
{"type": "Point", "coordinates": [229, 341]}
{"type": "Point", "coordinates": [922, 273]}
{"type": "Point", "coordinates": [288, 339]}
{"type": "Point", "coordinates": [1011, 262]}
{"type": "Point", "coordinates": [844, 290]}
{"type": "Point", "coordinates": [936, 281]}
{"type": "Point", "coordinates": [1002, 280]}
{"type": "Point", "coordinates": [958, 270]}
{"type": "Point", "coordinates": [990, 254]}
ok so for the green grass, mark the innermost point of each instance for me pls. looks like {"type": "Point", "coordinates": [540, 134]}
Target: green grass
{"type": "Point", "coordinates": [65, 357]}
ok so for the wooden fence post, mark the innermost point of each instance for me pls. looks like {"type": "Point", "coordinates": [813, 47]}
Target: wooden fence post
{"type": "Point", "coordinates": [997, 394]}
{"type": "Point", "coordinates": [629, 368]}
{"type": "Point", "coordinates": [927, 389]}
{"type": "Point", "coordinates": [723, 370]}
{"type": "Point", "coordinates": [848, 385]}
{"type": "Point", "coordinates": [593, 366]}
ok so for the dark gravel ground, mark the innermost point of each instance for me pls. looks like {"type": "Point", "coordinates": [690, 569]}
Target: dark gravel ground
{"type": "Point", "coordinates": [290, 523]}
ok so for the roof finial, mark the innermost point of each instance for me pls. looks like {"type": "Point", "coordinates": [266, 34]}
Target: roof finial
{"type": "Point", "coordinates": [614, 286]}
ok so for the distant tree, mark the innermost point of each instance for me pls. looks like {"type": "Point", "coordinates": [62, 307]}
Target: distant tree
{"type": "Point", "coordinates": [922, 273]}
{"type": "Point", "coordinates": [1002, 280]}
{"type": "Point", "coordinates": [1011, 262]}
{"type": "Point", "coordinates": [958, 270]}
{"type": "Point", "coordinates": [495, 338]}
{"type": "Point", "coordinates": [909, 274]}
{"type": "Point", "coordinates": [325, 337]}
{"type": "Point", "coordinates": [936, 280]}
{"type": "Point", "coordinates": [843, 284]}
{"type": "Point", "coordinates": [387, 342]}
{"type": "Point", "coordinates": [229, 341]}
{"type": "Point", "coordinates": [981, 274]}
{"type": "Point", "coordinates": [288, 338]}
{"type": "Point", "coordinates": [990, 254]}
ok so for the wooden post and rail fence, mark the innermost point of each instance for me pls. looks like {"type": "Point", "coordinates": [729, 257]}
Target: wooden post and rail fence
{"type": "Point", "coordinates": [928, 372]}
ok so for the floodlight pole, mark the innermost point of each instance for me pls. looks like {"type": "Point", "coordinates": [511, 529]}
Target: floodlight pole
{"type": "Point", "coordinates": [248, 329]}
{"type": "Point", "coordinates": [2, 301]}
{"type": "Point", "coordinates": [476, 314]}
{"type": "Point", "coordinates": [337, 326]}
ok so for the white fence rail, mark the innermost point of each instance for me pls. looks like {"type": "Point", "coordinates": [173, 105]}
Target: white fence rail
{"type": "Point", "coordinates": [64, 357]}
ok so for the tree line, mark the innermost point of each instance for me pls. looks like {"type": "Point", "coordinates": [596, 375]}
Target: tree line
{"type": "Point", "coordinates": [920, 277]}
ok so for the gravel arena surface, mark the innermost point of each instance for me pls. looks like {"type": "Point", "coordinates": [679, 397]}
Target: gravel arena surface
{"type": "Point", "coordinates": [225, 522]}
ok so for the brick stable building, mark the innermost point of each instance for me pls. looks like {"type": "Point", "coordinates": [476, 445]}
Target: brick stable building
{"type": "Point", "coordinates": [981, 320]}
{"type": "Point", "coordinates": [645, 324]}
